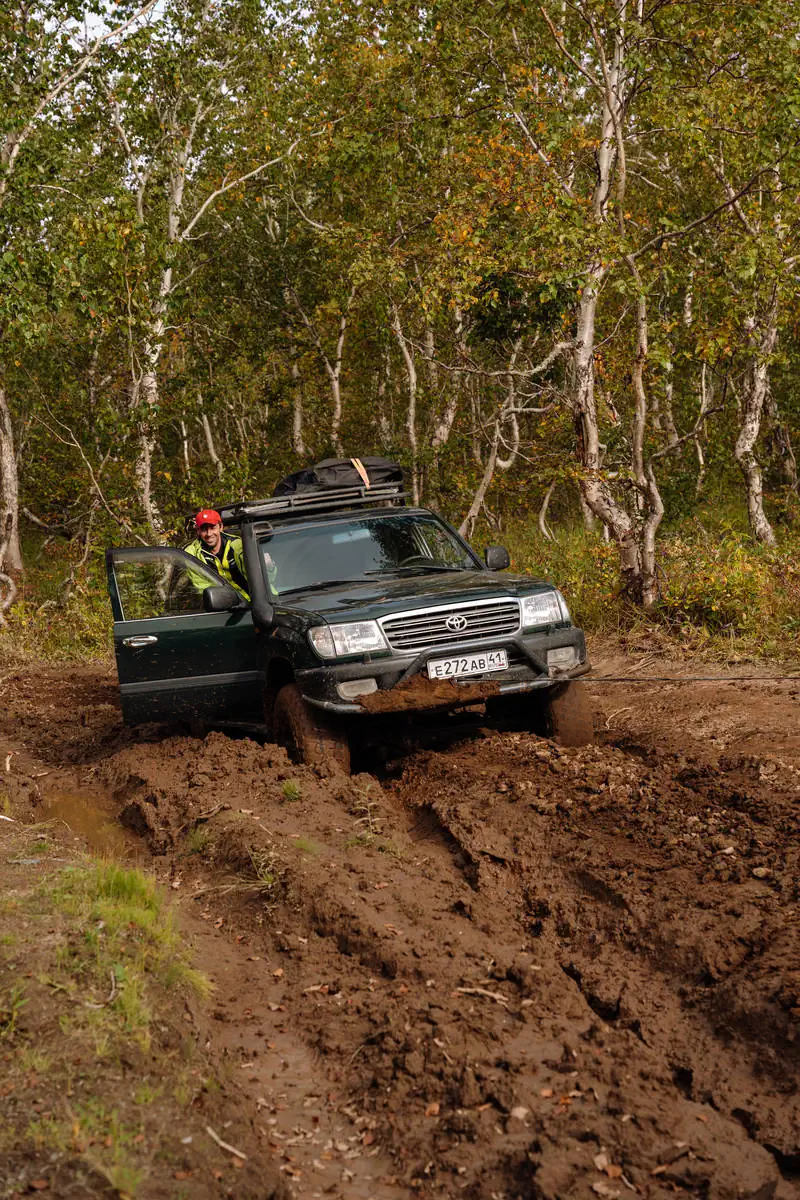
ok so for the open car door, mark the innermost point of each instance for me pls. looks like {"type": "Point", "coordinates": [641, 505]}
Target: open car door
{"type": "Point", "coordinates": [174, 659]}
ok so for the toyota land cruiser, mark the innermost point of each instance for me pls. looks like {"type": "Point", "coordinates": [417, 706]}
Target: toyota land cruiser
{"type": "Point", "coordinates": [361, 605]}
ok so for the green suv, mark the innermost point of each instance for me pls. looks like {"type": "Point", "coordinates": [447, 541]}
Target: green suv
{"type": "Point", "coordinates": [362, 609]}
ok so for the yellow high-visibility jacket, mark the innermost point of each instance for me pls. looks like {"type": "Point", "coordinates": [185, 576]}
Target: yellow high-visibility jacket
{"type": "Point", "coordinates": [228, 564]}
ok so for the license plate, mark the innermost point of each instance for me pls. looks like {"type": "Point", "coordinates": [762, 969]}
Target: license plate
{"type": "Point", "coordinates": [468, 664]}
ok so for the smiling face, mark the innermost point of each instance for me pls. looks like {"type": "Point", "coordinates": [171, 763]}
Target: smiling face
{"type": "Point", "coordinates": [211, 535]}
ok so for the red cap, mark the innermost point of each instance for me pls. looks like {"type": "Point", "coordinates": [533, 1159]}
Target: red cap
{"type": "Point", "coordinates": [207, 516]}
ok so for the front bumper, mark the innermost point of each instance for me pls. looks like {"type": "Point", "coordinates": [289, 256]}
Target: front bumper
{"type": "Point", "coordinates": [403, 685]}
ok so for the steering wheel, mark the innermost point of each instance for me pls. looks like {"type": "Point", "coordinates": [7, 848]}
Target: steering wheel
{"type": "Point", "coordinates": [414, 559]}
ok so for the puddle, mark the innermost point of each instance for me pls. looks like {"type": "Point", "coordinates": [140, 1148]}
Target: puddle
{"type": "Point", "coordinates": [100, 830]}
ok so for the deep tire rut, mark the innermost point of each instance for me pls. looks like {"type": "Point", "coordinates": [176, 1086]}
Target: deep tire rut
{"type": "Point", "coordinates": [518, 971]}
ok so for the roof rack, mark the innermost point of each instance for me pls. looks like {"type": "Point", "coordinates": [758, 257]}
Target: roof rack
{"type": "Point", "coordinates": [324, 500]}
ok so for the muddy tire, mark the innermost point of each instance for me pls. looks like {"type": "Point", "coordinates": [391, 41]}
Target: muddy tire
{"type": "Point", "coordinates": [307, 736]}
{"type": "Point", "coordinates": [568, 715]}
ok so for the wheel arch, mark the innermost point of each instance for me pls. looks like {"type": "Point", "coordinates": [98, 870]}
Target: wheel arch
{"type": "Point", "coordinates": [279, 673]}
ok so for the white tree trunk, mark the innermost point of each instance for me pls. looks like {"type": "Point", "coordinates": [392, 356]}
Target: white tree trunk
{"type": "Point", "coordinates": [145, 398]}
{"type": "Point", "coordinates": [212, 449]}
{"type": "Point", "coordinates": [594, 488]}
{"type": "Point", "coordinates": [783, 444]}
{"type": "Point", "coordinates": [755, 396]}
{"type": "Point", "coordinates": [663, 416]}
{"type": "Point", "coordinates": [185, 449]}
{"type": "Point", "coordinates": [298, 445]}
{"type": "Point", "coordinates": [11, 559]}
{"type": "Point", "coordinates": [643, 472]}
{"type": "Point", "coordinates": [468, 524]}
{"type": "Point", "coordinates": [411, 409]}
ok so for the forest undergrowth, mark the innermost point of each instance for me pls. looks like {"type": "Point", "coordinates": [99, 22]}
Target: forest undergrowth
{"type": "Point", "coordinates": [722, 596]}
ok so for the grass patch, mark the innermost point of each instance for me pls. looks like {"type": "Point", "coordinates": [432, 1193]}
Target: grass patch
{"type": "Point", "coordinates": [266, 869]}
{"type": "Point", "coordinates": [12, 1002]}
{"type": "Point", "coordinates": [367, 821]}
{"type": "Point", "coordinates": [198, 839]}
{"type": "Point", "coordinates": [305, 845]}
{"type": "Point", "coordinates": [291, 790]}
{"type": "Point", "coordinates": [101, 1138]}
{"type": "Point", "coordinates": [122, 942]}
{"type": "Point", "coordinates": [100, 1072]}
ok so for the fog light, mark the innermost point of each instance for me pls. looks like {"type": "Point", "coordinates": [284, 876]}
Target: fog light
{"type": "Point", "coordinates": [356, 687]}
{"type": "Point", "coordinates": [562, 658]}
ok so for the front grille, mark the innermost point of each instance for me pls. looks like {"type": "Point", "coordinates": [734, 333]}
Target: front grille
{"type": "Point", "coordinates": [423, 630]}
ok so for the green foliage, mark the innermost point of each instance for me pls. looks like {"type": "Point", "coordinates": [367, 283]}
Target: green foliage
{"type": "Point", "coordinates": [583, 566]}
{"type": "Point", "coordinates": [45, 625]}
{"type": "Point", "coordinates": [237, 216]}
{"type": "Point", "coordinates": [12, 1003]}
{"type": "Point", "coordinates": [718, 590]}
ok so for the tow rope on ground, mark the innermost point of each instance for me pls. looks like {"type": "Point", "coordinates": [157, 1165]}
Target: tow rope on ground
{"type": "Point", "coordinates": [691, 679]}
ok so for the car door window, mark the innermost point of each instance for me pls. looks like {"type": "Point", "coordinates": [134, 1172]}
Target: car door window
{"type": "Point", "coordinates": [160, 586]}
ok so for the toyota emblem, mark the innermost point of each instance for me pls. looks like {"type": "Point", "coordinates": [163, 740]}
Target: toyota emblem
{"type": "Point", "coordinates": [456, 623]}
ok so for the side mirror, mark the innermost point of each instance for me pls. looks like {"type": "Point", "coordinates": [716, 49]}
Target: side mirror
{"type": "Point", "coordinates": [221, 599]}
{"type": "Point", "coordinates": [496, 558]}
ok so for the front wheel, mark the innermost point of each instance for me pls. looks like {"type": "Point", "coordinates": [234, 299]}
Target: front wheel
{"type": "Point", "coordinates": [568, 715]}
{"type": "Point", "coordinates": [307, 736]}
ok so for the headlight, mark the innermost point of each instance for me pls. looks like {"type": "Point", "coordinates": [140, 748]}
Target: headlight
{"type": "Point", "coordinates": [545, 608]}
{"type": "Point", "coordinates": [356, 637]}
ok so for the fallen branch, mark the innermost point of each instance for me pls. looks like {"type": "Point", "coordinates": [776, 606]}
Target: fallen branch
{"type": "Point", "coordinates": [498, 997]}
{"type": "Point", "coordinates": [225, 1145]}
{"type": "Point", "coordinates": [112, 994]}
{"type": "Point", "coordinates": [203, 816]}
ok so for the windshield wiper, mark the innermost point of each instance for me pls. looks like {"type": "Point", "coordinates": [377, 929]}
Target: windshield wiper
{"type": "Point", "coordinates": [416, 568]}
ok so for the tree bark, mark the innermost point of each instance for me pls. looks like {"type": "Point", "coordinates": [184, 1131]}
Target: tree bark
{"type": "Point", "coordinates": [209, 436]}
{"type": "Point", "coordinates": [643, 472]}
{"type": "Point", "coordinates": [468, 524]}
{"type": "Point", "coordinates": [594, 487]}
{"type": "Point", "coordinates": [11, 559]}
{"type": "Point", "coordinates": [783, 444]}
{"type": "Point", "coordinates": [411, 409]}
{"type": "Point", "coordinates": [185, 449]}
{"type": "Point", "coordinates": [298, 444]}
{"type": "Point", "coordinates": [757, 385]}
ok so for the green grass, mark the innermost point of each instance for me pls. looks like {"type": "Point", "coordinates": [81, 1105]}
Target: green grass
{"type": "Point", "coordinates": [198, 839]}
{"type": "Point", "coordinates": [42, 627]}
{"type": "Point", "coordinates": [291, 790]}
{"type": "Point", "coordinates": [12, 1002]}
{"type": "Point", "coordinates": [123, 940]}
{"type": "Point", "coordinates": [100, 1137]}
{"type": "Point", "coordinates": [267, 871]}
{"type": "Point", "coordinates": [305, 845]}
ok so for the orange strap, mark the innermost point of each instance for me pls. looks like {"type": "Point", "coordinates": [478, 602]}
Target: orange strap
{"type": "Point", "coordinates": [359, 466]}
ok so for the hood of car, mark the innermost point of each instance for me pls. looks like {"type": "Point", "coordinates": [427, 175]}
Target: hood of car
{"type": "Point", "coordinates": [371, 599]}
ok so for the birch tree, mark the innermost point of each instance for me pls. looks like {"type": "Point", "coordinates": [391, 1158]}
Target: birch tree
{"type": "Point", "coordinates": [174, 111]}
{"type": "Point", "coordinates": [46, 51]}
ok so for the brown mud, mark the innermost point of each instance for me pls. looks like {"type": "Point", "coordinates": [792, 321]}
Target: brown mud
{"type": "Point", "coordinates": [512, 970]}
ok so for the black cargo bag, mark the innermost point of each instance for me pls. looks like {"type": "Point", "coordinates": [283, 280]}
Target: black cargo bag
{"type": "Point", "coordinates": [341, 473]}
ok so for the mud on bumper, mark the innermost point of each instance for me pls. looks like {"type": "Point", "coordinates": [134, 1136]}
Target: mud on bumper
{"type": "Point", "coordinates": [402, 684]}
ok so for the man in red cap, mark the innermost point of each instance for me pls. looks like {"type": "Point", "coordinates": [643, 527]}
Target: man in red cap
{"type": "Point", "coordinates": [219, 550]}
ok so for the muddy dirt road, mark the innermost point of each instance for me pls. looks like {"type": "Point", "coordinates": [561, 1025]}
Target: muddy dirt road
{"type": "Point", "coordinates": [506, 970]}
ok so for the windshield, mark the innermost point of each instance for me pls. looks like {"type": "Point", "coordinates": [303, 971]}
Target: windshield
{"type": "Point", "coordinates": [343, 551]}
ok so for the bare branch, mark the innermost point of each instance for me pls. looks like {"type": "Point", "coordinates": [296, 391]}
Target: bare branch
{"type": "Point", "coordinates": [226, 187]}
